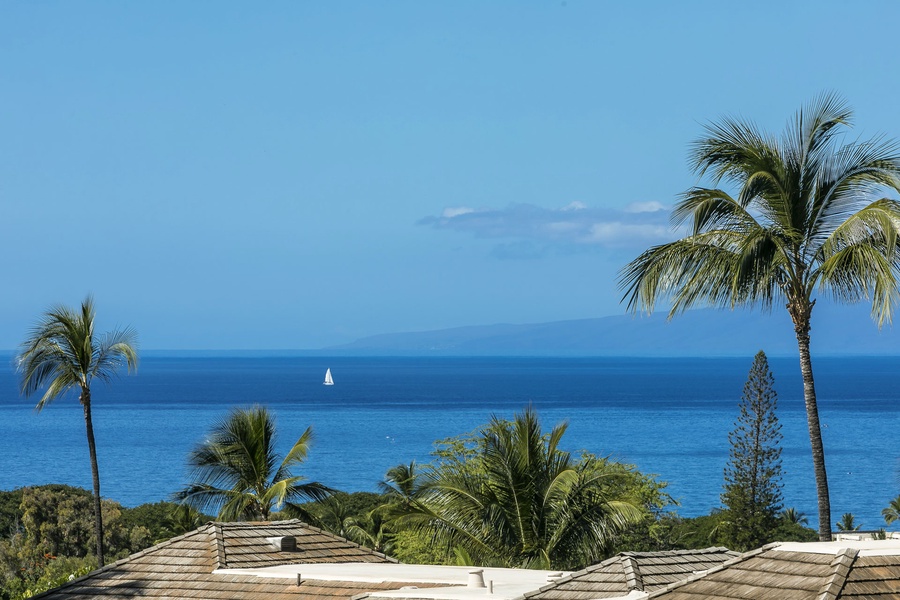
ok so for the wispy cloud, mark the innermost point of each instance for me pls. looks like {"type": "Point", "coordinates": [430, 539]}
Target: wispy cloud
{"type": "Point", "coordinates": [638, 225]}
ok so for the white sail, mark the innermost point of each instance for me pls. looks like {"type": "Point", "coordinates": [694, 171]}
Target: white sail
{"type": "Point", "coordinates": [328, 379]}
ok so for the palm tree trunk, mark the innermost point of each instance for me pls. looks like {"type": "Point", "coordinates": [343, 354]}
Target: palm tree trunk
{"type": "Point", "coordinates": [95, 474]}
{"type": "Point", "coordinates": [801, 317]}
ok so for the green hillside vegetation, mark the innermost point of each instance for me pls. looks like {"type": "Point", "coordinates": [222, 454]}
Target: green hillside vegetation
{"type": "Point", "coordinates": [48, 534]}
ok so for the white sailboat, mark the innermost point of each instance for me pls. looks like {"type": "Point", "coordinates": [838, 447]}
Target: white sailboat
{"type": "Point", "coordinates": [328, 379]}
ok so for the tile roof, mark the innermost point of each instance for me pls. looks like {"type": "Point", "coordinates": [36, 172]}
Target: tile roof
{"type": "Point", "coordinates": [813, 571]}
{"type": "Point", "coordinates": [627, 571]}
{"type": "Point", "coordinates": [238, 560]}
{"type": "Point", "coordinates": [245, 560]}
{"type": "Point", "coordinates": [183, 566]}
{"type": "Point", "coordinates": [873, 577]}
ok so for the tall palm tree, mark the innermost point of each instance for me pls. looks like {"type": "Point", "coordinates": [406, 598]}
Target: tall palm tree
{"type": "Point", "coordinates": [808, 217]}
{"type": "Point", "coordinates": [238, 475]}
{"type": "Point", "coordinates": [63, 354]}
{"type": "Point", "coordinates": [520, 501]}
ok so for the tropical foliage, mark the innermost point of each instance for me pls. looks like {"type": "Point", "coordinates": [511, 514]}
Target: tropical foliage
{"type": "Point", "coordinates": [793, 516]}
{"type": "Point", "coordinates": [238, 475]}
{"type": "Point", "coordinates": [361, 517]}
{"type": "Point", "coordinates": [63, 354]}
{"type": "Point", "coordinates": [848, 523]}
{"type": "Point", "coordinates": [809, 215]}
{"type": "Point", "coordinates": [48, 535]}
{"type": "Point", "coordinates": [402, 485]}
{"type": "Point", "coordinates": [752, 494]}
{"type": "Point", "coordinates": [891, 513]}
{"type": "Point", "coordinates": [510, 496]}
{"type": "Point", "coordinates": [670, 531]}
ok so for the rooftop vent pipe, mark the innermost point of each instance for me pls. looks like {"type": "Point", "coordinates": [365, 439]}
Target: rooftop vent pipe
{"type": "Point", "coordinates": [287, 543]}
{"type": "Point", "coordinates": [476, 579]}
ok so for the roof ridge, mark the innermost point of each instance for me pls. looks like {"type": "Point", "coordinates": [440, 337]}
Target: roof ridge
{"type": "Point", "coordinates": [840, 565]}
{"type": "Point", "coordinates": [679, 552]}
{"type": "Point", "coordinates": [633, 578]}
{"type": "Point", "coordinates": [218, 545]}
{"type": "Point", "coordinates": [129, 558]}
{"type": "Point", "coordinates": [694, 577]}
{"type": "Point", "coordinates": [255, 524]}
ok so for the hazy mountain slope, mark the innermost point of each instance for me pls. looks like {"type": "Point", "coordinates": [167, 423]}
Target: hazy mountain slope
{"type": "Point", "coordinates": [837, 330]}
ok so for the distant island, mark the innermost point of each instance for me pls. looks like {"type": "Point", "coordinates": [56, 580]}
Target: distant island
{"type": "Point", "coordinates": [837, 331]}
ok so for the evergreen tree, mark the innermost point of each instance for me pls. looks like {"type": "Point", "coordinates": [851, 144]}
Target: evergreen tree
{"type": "Point", "coordinates": [752, 494]}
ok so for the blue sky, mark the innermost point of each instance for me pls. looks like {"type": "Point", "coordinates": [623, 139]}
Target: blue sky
{"type": "Point", "coordinates": [298, 174]}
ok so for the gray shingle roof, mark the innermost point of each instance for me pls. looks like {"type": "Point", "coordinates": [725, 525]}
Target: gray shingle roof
{"type": "Point", "coordinates": [773, 573]}
{"type": "Point", "coordinates": [643, 571]}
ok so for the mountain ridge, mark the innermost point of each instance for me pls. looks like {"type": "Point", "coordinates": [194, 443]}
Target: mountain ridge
{"type": "Point", "coordinates": [837, 331]}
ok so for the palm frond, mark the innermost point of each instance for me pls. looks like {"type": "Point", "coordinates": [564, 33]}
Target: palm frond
{"type": "Point", "coordinates": [731, 149]}
{"type": "Point", "coordinates": [62, 353]}
{"type": "Point", "coordinates": [847, 181]}
{"type": "Point", "coordinates": [709, 268]}
{"type": "Point", "coordinates": [297, 454]}
{"type": "Point", "coordinates": [116, 349]}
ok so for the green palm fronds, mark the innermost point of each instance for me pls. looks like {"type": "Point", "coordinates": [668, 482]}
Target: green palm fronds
{"type": "Point", "coordinates": [521, 501]}
{"type": "Point", "coordinates": [237, 473]}
{"type": "Point", "coordinates": [892, 512]}
{"type": "Point", "coordinates": [62, 353]}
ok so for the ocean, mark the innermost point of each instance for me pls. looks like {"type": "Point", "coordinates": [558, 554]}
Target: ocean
{"type": "Point", "coordinates": [669, 417]}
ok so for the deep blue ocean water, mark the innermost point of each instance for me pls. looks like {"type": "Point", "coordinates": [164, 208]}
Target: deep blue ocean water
{"type": "Point", "coordinates": [670, 417]}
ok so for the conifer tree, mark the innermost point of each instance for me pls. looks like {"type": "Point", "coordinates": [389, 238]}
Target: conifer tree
{"type": "Point", "coordinates": [752, 494]}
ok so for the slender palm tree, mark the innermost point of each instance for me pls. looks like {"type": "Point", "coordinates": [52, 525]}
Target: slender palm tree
{"type": "Point", "coordinates": [892, 512]}
{"type": "Point", "coordinates": [809, 217]}
{"type": "Point", "coordinates": [63, 354]}
{"type": "Point", "coordinates": [238, 475]}
{"type": "Point", "coordinates": [520, 501]}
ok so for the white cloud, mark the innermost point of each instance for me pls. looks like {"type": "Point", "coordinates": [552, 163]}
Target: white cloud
{"type": "Point", "coordinates": [563, 227]}
{"type": "Point", "coordinates": [642, 207]}
{"type": "Point", "coordinates": [449, 213]}
{"type": "Point", "coordinates": [622, 234]}
{"type": "Point", "coordinates": [575, 224]}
